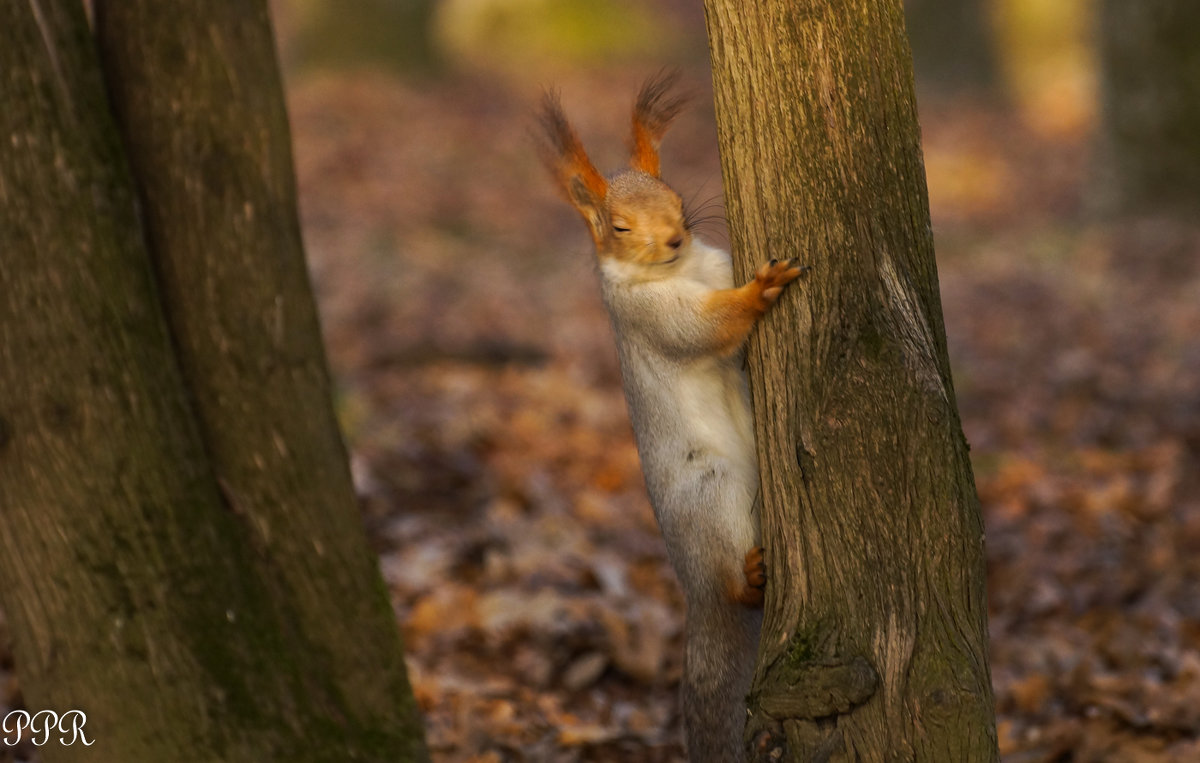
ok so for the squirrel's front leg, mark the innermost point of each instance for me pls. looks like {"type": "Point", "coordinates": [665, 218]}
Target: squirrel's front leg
{"type": "Point", "coordinates": [734, 311]}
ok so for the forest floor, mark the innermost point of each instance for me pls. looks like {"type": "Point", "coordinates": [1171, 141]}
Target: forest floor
{"type": "Point", "coordinates": [479, 390]}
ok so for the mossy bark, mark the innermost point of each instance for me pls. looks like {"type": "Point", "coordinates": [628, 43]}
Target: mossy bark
{"type": "Point", "coordinates": [184, 565]}
{"type": "Point", "coordinates": [874, 639]}
{"type": "Point", "coordinates": [1150, 87]}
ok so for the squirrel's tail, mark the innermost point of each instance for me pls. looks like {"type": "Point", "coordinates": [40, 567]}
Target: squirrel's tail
{"type": "Point", "coordinates": [719, 663]}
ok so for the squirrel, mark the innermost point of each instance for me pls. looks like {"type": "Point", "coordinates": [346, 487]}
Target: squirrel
{"type": "Point", "coordinates": [680, 324]}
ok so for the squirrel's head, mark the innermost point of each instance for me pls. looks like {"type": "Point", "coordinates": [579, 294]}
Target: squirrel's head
{"type": "Point", "coordinates": [633, 215]}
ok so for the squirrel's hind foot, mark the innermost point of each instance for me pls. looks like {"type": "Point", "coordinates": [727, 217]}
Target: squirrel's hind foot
{"type": "Point", "coordinates": [755, 571]}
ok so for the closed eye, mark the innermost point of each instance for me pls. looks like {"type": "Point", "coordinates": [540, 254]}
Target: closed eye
{"type": "Point", "coordinates": [619, 229]}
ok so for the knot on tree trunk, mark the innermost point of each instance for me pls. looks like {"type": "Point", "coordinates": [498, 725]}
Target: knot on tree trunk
{"type": "Point", "coordinates": [817, 689]}
{"type": "Point", "coordinates": [794, 716]}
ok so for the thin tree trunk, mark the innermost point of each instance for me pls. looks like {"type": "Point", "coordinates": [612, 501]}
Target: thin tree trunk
{"type": "Point", "coordinates": [1150, 64]}
{"type": "Point", "coordinates": [180, 590]}
{"type": "Point", "coordinates": [874, 637]}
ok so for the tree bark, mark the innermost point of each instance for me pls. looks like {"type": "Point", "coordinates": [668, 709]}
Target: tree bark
{"type": "Point", "coordinates": [1150, 65]}
{"type": "Point", "coordinates": [181, 557]}
{"type": "Point", "coordinates": [874, 636]}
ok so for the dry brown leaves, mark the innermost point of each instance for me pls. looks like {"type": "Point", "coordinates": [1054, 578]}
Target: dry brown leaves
{"type": "Point", "coordinates": [542, 620]}
{"type": "Point", "coordinates": [490, 443]}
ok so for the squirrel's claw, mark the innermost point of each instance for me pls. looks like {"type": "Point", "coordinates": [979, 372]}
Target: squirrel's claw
{"type": "Point", "coordinates": [771, 277]}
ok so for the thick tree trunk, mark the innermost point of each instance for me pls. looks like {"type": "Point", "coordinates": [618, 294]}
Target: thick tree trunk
{"type": "Point", "coordinates": [874, 638]}
{"type": "Point", "coordinates": [207, 135]}
{"type": "Point", "coordinates": [181, 557]}
{"type": "Point", "coordinates": [1150, 63]}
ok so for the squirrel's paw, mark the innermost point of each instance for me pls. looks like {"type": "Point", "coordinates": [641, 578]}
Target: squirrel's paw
{"type": "Point", "coordinates": [774, 275]}
{"type": "Point", "coordinates": [755, 571]}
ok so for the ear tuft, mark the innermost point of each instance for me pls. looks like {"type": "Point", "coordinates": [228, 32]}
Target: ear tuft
{"type": "Point", "coordinates": [563, 154]}
{"type": "Point", "coordinates": [655, 109]}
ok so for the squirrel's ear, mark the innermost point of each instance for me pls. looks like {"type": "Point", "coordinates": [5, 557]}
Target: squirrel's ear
{"type": "Point", "coordinates": [656, 107]}
{"type": "Point", "coordinates": [563, 155]}
{"type": "Point", "coordinates": [591, 206]}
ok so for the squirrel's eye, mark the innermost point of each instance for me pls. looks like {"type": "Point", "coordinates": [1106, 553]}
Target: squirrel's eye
{"type": "Point", "coordinates": [619, 229]}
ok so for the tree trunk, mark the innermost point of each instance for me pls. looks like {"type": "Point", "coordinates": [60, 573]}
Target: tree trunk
{"type": "Point", "coordinates": [181, 556]}
{"type": "Point", "coordinates": [874, 636]}
{"type": "Point", "coordinates": [1150, 65]}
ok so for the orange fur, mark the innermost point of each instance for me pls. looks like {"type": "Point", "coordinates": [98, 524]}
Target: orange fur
{"type": "Point", "coordinates": [748, 591]}
{"type": "Point", "coordinates": [734, 311]}
{"type": "Point", "coordinates": [653, 113]}
{"type": "Point", "coordinates": [563, 154]}
{"type": "Point", "coordinates": [678, 328]}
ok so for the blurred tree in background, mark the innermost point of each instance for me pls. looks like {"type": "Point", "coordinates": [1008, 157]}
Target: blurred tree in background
{"type": "Point", "coordinates": [1150, 64]}
{"type": "Point", "coordinates": [516, 38]}
{"type": "Point", "coordinates": [385, 34]}
{"type": "Point", "coordinates": [523, 37]}
{"type": "Point", "coordinates": [181, 554]}
{"type": "Point", "coordinates": [953, 45]}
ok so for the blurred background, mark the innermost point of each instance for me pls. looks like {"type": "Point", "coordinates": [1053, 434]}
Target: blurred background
{"type": "Point", "coordinates": [479, 390]}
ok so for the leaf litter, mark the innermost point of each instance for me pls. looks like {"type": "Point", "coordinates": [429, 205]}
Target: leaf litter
{"type": "Point", "coordinates": [479, 389]}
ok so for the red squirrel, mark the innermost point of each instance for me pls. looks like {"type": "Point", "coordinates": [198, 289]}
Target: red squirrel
{"type": "Point", "coordinates": [680, 324]}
